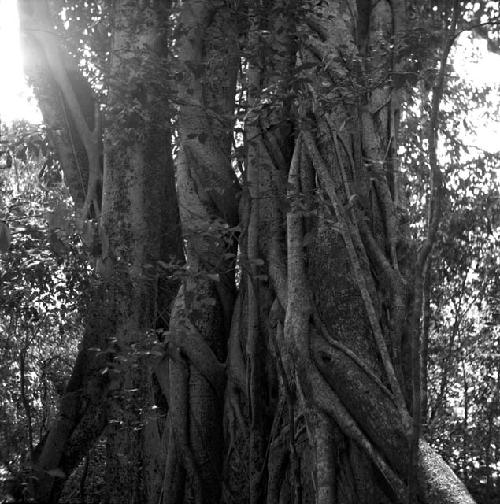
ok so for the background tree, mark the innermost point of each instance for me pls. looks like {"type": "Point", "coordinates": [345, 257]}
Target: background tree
{"type": "Point", "coordinates": [43, 281]}
{"type": "Point", "coordinates": [459, 298]}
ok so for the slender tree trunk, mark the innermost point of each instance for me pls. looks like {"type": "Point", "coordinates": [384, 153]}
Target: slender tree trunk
{"type": "Point", "coordinates": [426, 317]}
{"type": "Point", "coordinates": [465, 423]}
{"type": "Point", "coordinates": [207, 191]}
{"type": "Point", "coordinates": [64, 96]}
{"type": "Point", "coordinates": [24, 393]}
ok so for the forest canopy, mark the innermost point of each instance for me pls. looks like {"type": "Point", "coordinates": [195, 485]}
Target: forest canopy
{"type": "Point", "coordinates": [251, 256]}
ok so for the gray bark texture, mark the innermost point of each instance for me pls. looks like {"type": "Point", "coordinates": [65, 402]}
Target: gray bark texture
{"type": "Point", "coordinates": [136, 222]}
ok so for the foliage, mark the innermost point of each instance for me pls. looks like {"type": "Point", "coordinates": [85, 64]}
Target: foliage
{"type": "Point", "coordinates": [44, 276]}
{"type": "Point", "coordinates": [463, 396]}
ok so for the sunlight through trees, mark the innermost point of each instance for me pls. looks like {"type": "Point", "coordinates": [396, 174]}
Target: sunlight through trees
{"type": "Point", "coordinates": [249, 252]}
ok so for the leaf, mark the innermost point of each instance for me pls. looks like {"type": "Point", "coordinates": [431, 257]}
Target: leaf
{"type": "Point", "coordinates": [57, 473]}
{"type": "Point", "coordinates": [308, 239]}
{"type": "Point", "coordinates": [59, 218]}
{"type": "Point", "coordinates": [307, 66]}
{"type": "Point", "coordinates": [156, 353]}
{"type": "Point", "coordinates": [4, 237]}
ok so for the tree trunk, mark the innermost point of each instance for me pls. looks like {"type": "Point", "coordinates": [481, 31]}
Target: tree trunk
{"type": "Point", "coordinates": [334, 296]}
{"type": "Point", "coordinates": [207, 192]}
{"type": "Point", "coordinates": [64, 96]}
{"type": "Point", "coordinates": [112, 381]}
{"type": "Point", "coordinates": [302, 383]}
{"type": "Point", "coordinates": [137, 231]}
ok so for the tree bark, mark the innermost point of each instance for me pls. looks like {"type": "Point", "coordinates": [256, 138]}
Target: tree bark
{"type": "Point", "coordinates": [345, 291]}
{"type": "Point", "coordinates": [296, 384]}
{"type": "Point", "coordinates": [207, 192]}
{"type": "Point", "coordinates": [111, 384]}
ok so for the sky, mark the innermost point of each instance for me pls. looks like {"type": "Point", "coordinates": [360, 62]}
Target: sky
{"type": "Point", "coordinates": [17, 101]}
{"type": "Point", "coordinates": [480, 67]}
